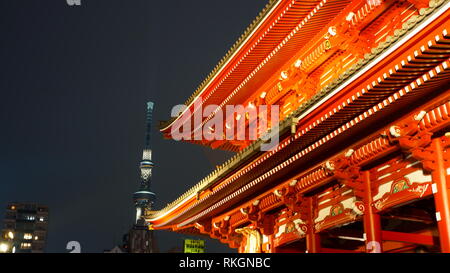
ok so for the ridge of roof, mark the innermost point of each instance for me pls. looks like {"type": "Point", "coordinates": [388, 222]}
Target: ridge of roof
{"type": "Point", "coordinates": [227, 56]}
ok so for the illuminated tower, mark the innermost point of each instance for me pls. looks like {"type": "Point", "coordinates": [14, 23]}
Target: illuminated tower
{"type": "Point", "coordinates": [140, 238]}
{"type": "Point", "coordinates": [143, 199]}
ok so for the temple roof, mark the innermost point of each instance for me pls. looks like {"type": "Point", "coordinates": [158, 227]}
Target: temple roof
{"type": "Point", "coordinates": [230, 53]}
{"type": "Point", "coordinates": [273, 38]}
{"type": "Point", "coordinates": [375, 78]}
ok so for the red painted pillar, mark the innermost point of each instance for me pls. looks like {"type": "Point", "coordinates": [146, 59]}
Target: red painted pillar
{"type": "Point", "coordinates": [441, 197]}
{"type": "Point", "coordinates": [272, 249]}
{"type": "Point", "coordinates": [312, 238]}
{"type": "Point", "coordinates": [372, 225]}
{"type": "Point", "coordinates": [313, 242]}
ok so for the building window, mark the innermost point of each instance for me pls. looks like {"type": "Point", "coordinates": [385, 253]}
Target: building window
{"type": "Point", "coordinates": [41, 219]}
{"type": "Point", "coordinates": [25, 245]}
{"type": "Point", "coordinates": [28, 236]}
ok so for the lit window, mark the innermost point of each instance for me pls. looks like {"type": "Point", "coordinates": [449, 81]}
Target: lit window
{"type": "Point", "coordinates": [28, 236]}
{"type": "Point", "coordinates": [25, 245]}
{"type": "Point", "coordinates": [41, 219]}
{"type": "Point", "coordinates": [4, 248]}
{"type": "Point", "coordinates": [36, 238]}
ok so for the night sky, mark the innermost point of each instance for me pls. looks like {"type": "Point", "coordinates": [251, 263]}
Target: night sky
{"type": "Point", "coordinates": [74, 85]}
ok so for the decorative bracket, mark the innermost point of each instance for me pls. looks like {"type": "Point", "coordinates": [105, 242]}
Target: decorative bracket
{"type": "Point", "coordinates": [348, 174]}
{"type": "Point", "coordinates": [258, 218]}
{"type": "Point", "coordinates": [204, 227]}
{"type": "Point", "coordinates": [428, 156]}
{"type": "Point", "coordinates": [289, 196]}
{"type": "Point", "coordinates": [407, 134]}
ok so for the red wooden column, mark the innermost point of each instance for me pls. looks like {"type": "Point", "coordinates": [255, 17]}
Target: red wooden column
{"type": "Point", "coordinates": [312, 238]}
{"type": "Point", "coordinates": [441, 197]}
{"type": "Point", "coordinates": [313, 242]}
{"type": "Point", "coordinates": [372, 225]}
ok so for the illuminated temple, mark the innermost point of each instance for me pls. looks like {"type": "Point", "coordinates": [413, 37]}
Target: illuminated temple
{"type": "Point", "coordinates": [362, 163]}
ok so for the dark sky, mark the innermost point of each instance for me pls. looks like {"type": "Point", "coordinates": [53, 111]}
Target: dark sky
{"type": "Point", "coordinates": [74, 82]}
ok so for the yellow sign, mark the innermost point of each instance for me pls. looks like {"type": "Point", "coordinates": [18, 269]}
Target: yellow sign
{"type": "Point", "coordinates": [194, 246]}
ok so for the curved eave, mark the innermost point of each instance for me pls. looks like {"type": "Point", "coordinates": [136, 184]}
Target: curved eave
{"type": "Point", "coordinates": [251, 34]}
{"type": "Point", "coordinates": [431, 33]}
{"type": "Point", "coordinates": [286, 27]}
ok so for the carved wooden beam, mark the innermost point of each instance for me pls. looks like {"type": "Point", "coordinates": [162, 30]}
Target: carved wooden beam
{"type": "Point", "coordinates": [347, 173]}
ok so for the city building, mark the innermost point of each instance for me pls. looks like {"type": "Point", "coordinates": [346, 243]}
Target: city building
{"type": "Point", "coordinates": [140, 238]}
{"type": "Point", "coordinates": [359, 92]}
{"type": "Point", "coordinates": [116, 249]}
{"type": "Point", "coordinates": [24, 228]}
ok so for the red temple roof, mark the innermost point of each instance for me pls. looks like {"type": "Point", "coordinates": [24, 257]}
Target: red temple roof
{"type": "Point", "coordinates": [274, 38]}
{"type": "Point", "coordinates": [409, 62]}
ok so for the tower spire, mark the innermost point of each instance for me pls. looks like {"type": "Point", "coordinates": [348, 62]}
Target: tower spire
{"type": "Point", "coordinates": [143, 199]}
